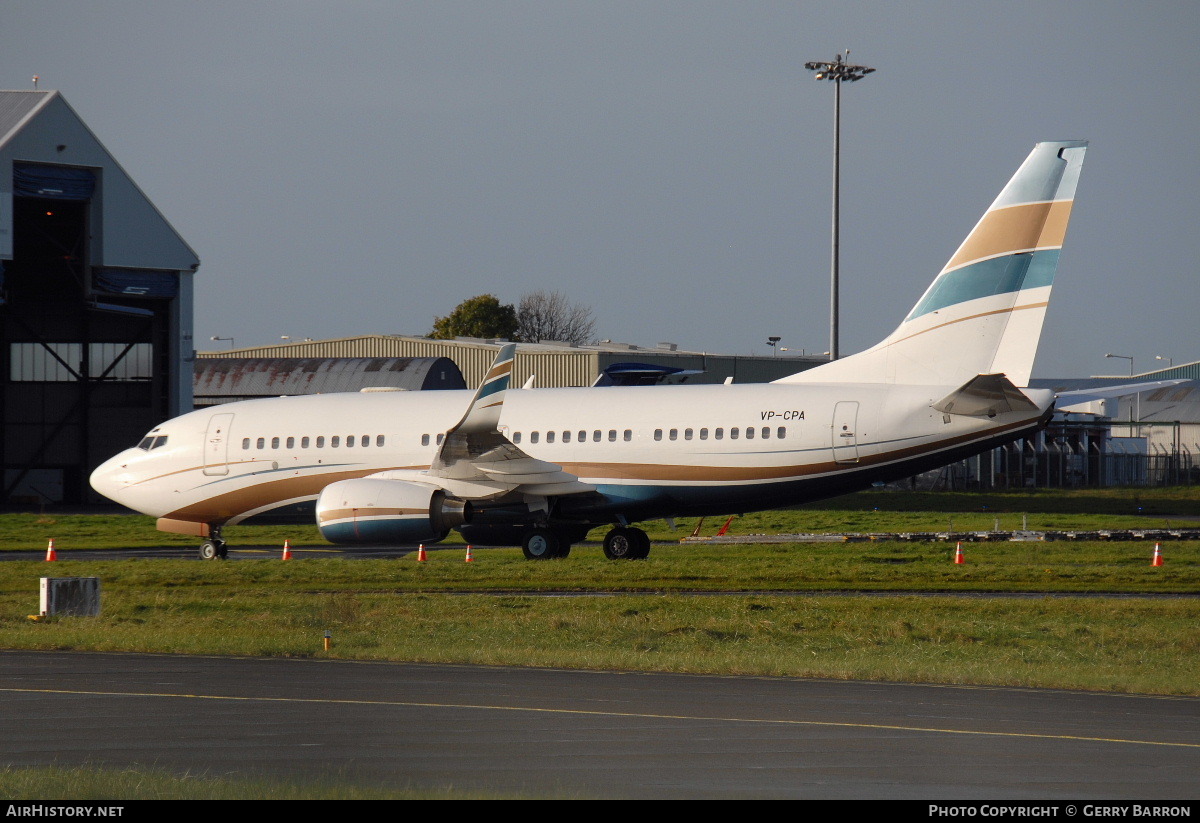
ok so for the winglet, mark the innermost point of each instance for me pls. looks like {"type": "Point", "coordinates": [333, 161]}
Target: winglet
{"type": "Point", "coordinates": [484, 412]}
{"type": "Point", "coordinates": [478, 430]}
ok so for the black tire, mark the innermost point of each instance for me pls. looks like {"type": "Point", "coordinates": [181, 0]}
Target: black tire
{"type": "Point", "coordinates": [212, 550]}
{"type": "Point", "coordinates": [541, 544]}
{"type": "Point", "coordinates": [623, 543]}
{"type": "Point", "coordinates": [643, 544]}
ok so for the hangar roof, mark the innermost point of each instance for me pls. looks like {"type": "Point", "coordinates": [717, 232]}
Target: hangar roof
{"type": "Point", "coordinates": [224, 379]}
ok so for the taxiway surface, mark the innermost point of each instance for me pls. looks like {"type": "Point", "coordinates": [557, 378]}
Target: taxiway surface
{"type": "Point", "coordinates": [556, 733]}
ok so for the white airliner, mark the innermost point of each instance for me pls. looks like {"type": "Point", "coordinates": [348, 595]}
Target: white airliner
{"type": "Point", "coordinates": [542, 467]}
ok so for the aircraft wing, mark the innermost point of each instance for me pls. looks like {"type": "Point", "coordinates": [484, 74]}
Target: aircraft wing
{"type": "Point", "coordinates": [477, 459]}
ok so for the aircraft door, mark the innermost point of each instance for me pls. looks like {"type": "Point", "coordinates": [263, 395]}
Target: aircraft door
{"type": "Point", "coordinates": [216, 445]}
{"type": "Point", "coordinates": [845, 434]}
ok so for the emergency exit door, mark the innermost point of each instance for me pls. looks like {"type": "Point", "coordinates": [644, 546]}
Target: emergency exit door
{"type": "Point", "coordinates": [845, 432]}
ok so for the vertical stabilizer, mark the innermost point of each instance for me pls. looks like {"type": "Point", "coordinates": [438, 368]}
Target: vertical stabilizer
{"type": "Point", "coordinates": [983, 313]}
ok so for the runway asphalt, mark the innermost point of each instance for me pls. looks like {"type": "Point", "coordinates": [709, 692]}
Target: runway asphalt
{"type": "Point", "coordinates": [551, 733]}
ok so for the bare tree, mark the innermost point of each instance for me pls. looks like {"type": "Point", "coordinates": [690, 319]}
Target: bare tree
{"type": "Point", "coordinates": [543, 315]}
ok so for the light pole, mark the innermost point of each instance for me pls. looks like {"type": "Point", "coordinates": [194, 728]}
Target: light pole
{"type": "Point", "coordinates": [230, 339]}
{"type": "Point", "coordinates": [1124, 357]}
{"type": "Point", "coordinates": [1170, 360]}
{"type": "Point", "coordinates": [772, 341]}
{"type": "Point", "coordinates": [837, 71]}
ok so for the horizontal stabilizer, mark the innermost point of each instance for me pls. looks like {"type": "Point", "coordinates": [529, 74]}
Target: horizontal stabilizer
{"type": "Point", "coordinates": [1110, 392]}
{"type": "Point", "coordinates": [985, 395]}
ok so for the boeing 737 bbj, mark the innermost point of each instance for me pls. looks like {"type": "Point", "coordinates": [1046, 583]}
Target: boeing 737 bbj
{"type": "Point", "coordinates": [542, 467]}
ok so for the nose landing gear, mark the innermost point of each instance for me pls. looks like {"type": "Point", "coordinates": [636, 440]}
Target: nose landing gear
{"type": "Point", "coordinates": [214, 547]}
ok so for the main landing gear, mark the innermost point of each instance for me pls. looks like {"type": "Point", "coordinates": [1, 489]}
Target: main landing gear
{"type": "Point", "coordinates": [621, 543]}
{"type": "Point", "coordinates": [544, 544]}
{"type": "Point", "coordinates": [626, 543]}
{"type": "Point", "coordinates": [214, 547]}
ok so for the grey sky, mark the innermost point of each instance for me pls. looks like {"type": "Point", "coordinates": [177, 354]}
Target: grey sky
{"type": "Point", "coordinates": [361, 167]}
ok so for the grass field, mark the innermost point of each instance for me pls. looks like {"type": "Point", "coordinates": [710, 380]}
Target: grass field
{"type": "Point", "coordinates": [867, 512]}
{"type": "Point", "coordinates": [781, 610]}
{"type": "Point", "coordinates": [1076, 615]}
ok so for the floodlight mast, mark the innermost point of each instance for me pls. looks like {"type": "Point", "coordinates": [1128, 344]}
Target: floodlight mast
{"type": "Point", "coordinates": [837, 71]}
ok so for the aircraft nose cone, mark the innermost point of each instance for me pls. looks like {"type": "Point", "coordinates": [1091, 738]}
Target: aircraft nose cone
{"type": "Point", "coordinates": [111, 478]}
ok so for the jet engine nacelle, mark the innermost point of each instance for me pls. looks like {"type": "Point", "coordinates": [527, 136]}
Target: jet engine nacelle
{"type": "Point", "coordinates": [368, 510]}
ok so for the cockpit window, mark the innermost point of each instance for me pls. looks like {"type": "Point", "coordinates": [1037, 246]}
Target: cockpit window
{"type": "Point", "coordinates": [152, 442]}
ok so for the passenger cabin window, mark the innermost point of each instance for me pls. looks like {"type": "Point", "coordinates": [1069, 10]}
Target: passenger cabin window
{"type": "Point", "coordinates": [749, 432]}
{"type": "Point", "coordinates": [687, 434]}
{"type": "Point", "coordinates": [673, 434]}
{"type": "Point", "coordinates": [596, 436]}
{"type": "Point", "coordinates": [440, 438]}
{"type": "Point", "coordinates": [566, 437]}
{"type": "Point", "coordinates": [424, 440]}
{"type": "Point", "coordinates": [334, 442]}
{"type": "Point", "coordinates": [550, 437]}
{"type": "Point", "coordinates": [533, 436]}
{"type": "Point", "coordinates": [733, 433]}
{"type": "Point", "coordinates": [628, 435]}
{"type": "Point", "coordinates": [261, 443]}
{"type": "Point", "coordinates": [379, 440]}
{"type": "Point", "coordinates": [719, 434]}
{"type": "Point", "coordinates": [658, 434]}
{"type": "Point", "coordinates": [350, 441]}
{"type": "Point", "coordinates": [245, 442]}
{"type": "Point", "coordinates": [704, 434]}
{"type": "Point", "coordinates": [516, 437]}
{"type": "Point", "coordinates": [304, 442]}
{"type": "Point", "coordinates": [612, 435]}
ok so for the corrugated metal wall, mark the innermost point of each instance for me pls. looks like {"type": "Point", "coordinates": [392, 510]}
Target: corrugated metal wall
{"type": "Point", "coordinates": [570, 367]}
{"type": "Point", "coordinates": [554, 366]}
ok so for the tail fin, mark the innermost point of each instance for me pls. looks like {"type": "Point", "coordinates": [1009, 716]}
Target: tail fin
{"type": "Point", "coordinates": [983, 313]}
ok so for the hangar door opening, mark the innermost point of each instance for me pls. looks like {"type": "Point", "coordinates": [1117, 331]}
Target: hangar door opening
{"type": "Point", "coordinates": [79, 369]}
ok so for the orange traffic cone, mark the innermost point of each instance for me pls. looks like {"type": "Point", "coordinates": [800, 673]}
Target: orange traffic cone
{"type": "Point", "coordinates": [50, 553]}
{"type": "Point", "coordinates": [958, 555]}
{"type": "Point", "coordinates": [287, 550]}
{"type": "Point", "coordinates": [1157, 561]}
{"type": "Point", "coordinates": [470, 559]}
{"type": "Point", "coordinates": [421, 553]}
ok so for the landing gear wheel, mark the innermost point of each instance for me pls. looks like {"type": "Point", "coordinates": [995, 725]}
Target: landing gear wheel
{"type": "Point", "coordinates": [213, 550]}
{"type": "Point", "coordinates": [541, 544]}
{"type": "Point", "coordinates": [624, 543]}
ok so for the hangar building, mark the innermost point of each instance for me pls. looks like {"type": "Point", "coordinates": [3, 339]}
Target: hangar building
{"type": "Point", "coordinates": [95, 304]}
{"type": "Point", "coordinates": [550, 364]}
